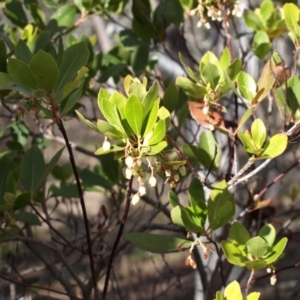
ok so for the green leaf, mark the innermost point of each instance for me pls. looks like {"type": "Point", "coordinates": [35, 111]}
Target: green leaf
{"type": "Point", "coordinates": [239, 234]}
{"type": "Point", "coordinates": [44, 70]}
{"type": "Point", "coordinates": [158, 133]}
{"type": "Point", "coordinates": [221, 206]}
{"type": "Point", "coordinates": [225, 59]}
{"type": "Point", "coordinates": [233, 291]}
{"type": "Point", "coordinates": [257, 247]}
{"type": "Point", "coordinates": [266, 9]}
{"type": "Point", "coordinates": [87, 122]}
{"type": "Point", "coordinates": [256, 264]}
{"type": "Point", "coordinates": [170, 99]}
{"type": "Point", "coordinates": [74, 58]}
{"type": "Point", "coordinates": [268, 233]}
{"type": "Point", "coordinates": [253, 20]}
{"type": "Point", "coordinates": [253, 296]}
{"type": "Point", "coordinates": [258, 132]}
{"type": "Point", "coordinates": [110, 167]}
{"type": "Point", "coordinates": [174, 201]}
{"type": "Point", "coordinates": [183, 217]}
{"type": "Point", "coordinates": [32, 168]}
{"type": "Point", "coordinates": [233, 254]}
{"type": "Point", "coordinates": [15, 13]}
{"type": "Point", "coordinates": [68, 103]}
{"type": "Point", "coordinates": [197, 197]}
{"type": "Point", "coordinates": [261, 44]}
{"type": "Point", "coordinates": [209, 150]}
{"type": "Point", "coordinates": [21, 73]}
{"type": "Point", "coordinates": [191, 89]}
{"type": "Point", "coordinates": [155, 149]}
{"type": "Point", "coordinates": [140, 58]}
{"type": "Point", "coordinates": [247, 142]}
{"type": "Point", "coordinates": [22, 201]}
{"type": "Point", "coordinates": [151, 120]}
{"type": "Point", "coordinates": [246, 85]}
{"type": "Point", "coordinates": [293, 93]}
{"type": "Point", "coordinates": [134, 114]}
{"type": "Point", "coordinates": [292, 18]}
{"type": "Point", "coordinates": [186, 4]}
{"type": "Point", "coordinates": [275, 146]}
{"type": "Point", "coordinates": [22, 52]}
{"type": "Point", "coordinates": [64, 16]}
{"type": "Point", "coordinates": [109, 130]}
{"type": "Point", "coordinates": [157, 243]}
{"type": "Point", "coordinates": [275, 252]}
{"type": "Point", "coordinates": [28, 217]}
{"type": "Point", "coordinates": [211, 75]}
{"type": "Point", "coordinates": [69, 191]}
{"type": "Point", "coordinates": [208, 58]}
{"type": "Point", "coordinates": [150, 97]}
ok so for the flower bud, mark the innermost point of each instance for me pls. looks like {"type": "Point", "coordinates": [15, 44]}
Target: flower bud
{"type": "Point", "coordinates": [106, 146]}
{"type": "Point", "coordinates": [182, 170]}
{"type": "Point", "coordinates": [128, 173]}
{"type": "Point", "coordinates": [152, 181]}
{"type": "Point", "coordinates": [129, 161]}
{"type": "Point", "coordinates": [176, 177]}
{"type": "Point", "coordinates": [142, 190]}
{"type": "Point", "coordinates": [273, 279]}
{"type": "Point", "coordinates": [135, 199]}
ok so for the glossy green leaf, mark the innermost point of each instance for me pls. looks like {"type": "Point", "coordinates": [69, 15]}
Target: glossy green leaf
{"type": "Point", "coordinates": [186, 4]}
{"type": "Point", "coordinates": [220, 206]}
{"type": "Point", "coordinates": [261, 44]}
{"type": "Point", "coordinates": [209, 150]}
{"type": "Point", "coordinates": [268, 233]}
{"type": "Point", "coordinates": [44, 70]}
{"type": "Point", "coordinates": [276, 145]}
{"type": "Point", "coordinates": [90, 178]}
{"type": "Point", "coordinates": [293, 93]}
{"type": "Point", "coordinates": [258, 132]}
{"type": "Point", "coordinates": [15, 13]}
{"type": "Point", "coordinates": [191, 89]}
{"type": "Point", "coordinates": [253, 20]}
{"type": "Point", "coordinates": [157, 243]}
{"type": "Point", "coordinates": [21, 73]}
{"type": "Point", "coordinates": [247, 142]}
{"type": "Point", "coordinates": [292, 20]}
{"type": "Point", "coordinates": [27, 217]}
{"type": "Point", "coordinates": [233, 254]}
{"type": "Point", "coordinates": [149, 98]}
{"type": "Point", "coordinates": [266, 9]}
{"type": "Point", "coordinates": [64, 16]}
{"type": "Point", "coordinates": [208, 58]}
{"type": "Point", "coordinates": [239, 234]}
{"type": "Point", "coordinates": [253, 296]}
{"type": "Point", "coordinates": [219, 296]}
{"type": "Point", "coordinates": [256, 264]}
{"type": "Point", "coordinates": [246, 85]}
{"type": "Point", "coordinates": [183, 217]}
{"type": "Point", "coordinates": [22, 52]}
{"type": "Point", "coordinates": [74, 58]}
{"type": "Point", "coordinates": [155, 149]}
{"type": "Point", "coordinates": [87, 122]}
{"type": "Point", "coordinates": [158, 133]}
{"type": "Point", "coordinates": [138, 89]}
{"type": "Point", "coordinates": [22, 201]}
{"type": "Point", "coordinates": [32, 168]}
{"type": "Point", "coordinates": [233, 70]}
{"type": "Point", "coordinates": [276, 251]}
{"type": "Point", "coordinates": [197, 198]}
{"type": "Point", "coordinates": [211, 75]}
{"type": "Point", "coordinates": [140, 58]}
{"type": "Point", "coordinates": [225, 59]}
{"type": "Point", "coordinates": [74, 84]}
{"type": "Point", "coordinates": [170, 99]}
{"type": "Point", "coordinates": [257, 247]}
{"type": "Point", "coordinates": [233, 291]}
{"type": "Point", "coordinates": [134, 114]}
{"type": "Point", "coordinates": [109, 130]}
{"type": "Point", "coordinates": [110, 167]}
{"type": "Point", "coordinates": [70, 101]}
{"type": "Point", "coordinates": [151, 120]}
{"type": "Point", "coordinates": [173, 199]}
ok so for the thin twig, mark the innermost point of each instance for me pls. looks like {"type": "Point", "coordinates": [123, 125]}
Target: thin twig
{"type": "Point", "coordinates": [61, 127]}
{"type": "Point", "coordinates": [116, 243]}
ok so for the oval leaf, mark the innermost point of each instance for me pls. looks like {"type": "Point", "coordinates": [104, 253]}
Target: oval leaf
{"type": "Point", "coordinates": [134, 114]}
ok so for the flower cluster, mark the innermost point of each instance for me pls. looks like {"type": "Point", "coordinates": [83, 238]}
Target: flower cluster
{"type": "Point", "coordinates": [219, 10]}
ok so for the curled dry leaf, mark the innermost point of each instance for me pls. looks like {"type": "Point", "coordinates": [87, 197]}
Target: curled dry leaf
{"type": "Point", "coordinates": [212, 118]}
